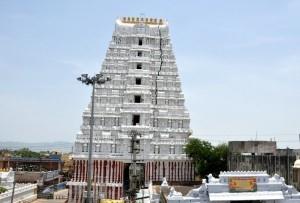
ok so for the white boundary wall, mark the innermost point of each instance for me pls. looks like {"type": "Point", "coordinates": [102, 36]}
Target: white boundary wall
{"type": "Point", "coordinates": [23, 193]}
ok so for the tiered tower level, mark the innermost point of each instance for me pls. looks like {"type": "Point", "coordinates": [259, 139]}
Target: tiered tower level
{"type": "Point", "coordinates": [144, 95]}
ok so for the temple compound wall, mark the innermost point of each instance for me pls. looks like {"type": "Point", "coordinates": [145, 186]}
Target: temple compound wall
{"type": "Point", "coordinates": [144, 95]}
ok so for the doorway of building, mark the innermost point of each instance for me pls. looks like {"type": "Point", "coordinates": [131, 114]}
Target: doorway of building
{"type": "Point", "coordinates": [126, 182]}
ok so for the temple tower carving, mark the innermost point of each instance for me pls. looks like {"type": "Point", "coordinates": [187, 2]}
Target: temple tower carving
{"type": "Point", "coordinates": [144, 95]}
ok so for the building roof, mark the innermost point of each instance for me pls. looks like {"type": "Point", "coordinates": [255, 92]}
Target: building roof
{"type": "Point", "coordinates": [30, 159]}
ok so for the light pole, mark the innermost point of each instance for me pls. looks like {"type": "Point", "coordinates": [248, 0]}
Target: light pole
{"type": "Point", "coordinates": [97, 79]}
{"type": "Point", "coordinates": [134, 179]}
{"type": "Point", "coordinates": [13, 188]}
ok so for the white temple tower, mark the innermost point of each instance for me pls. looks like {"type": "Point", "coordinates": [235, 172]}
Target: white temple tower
{"type": "Point", "coordinates": [145, 95]}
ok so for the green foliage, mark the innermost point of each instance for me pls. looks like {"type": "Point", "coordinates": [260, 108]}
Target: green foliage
{"type": "Point", "coordinates": [200, 151]}
{"type": "Point", "coordinates": [207, 158]}
{"type": "Point", "coordinates": [25, 152]}
{"type": "Point", "coordinates": [2, 189]}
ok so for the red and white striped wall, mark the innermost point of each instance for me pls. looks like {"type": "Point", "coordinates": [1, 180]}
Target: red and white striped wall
{"type": "Point", "coordinates": [173, 171]}
{"type": "Point", "coordinates": [104, 171]}
{"type": "Point", "coordinates": [108, 176]}
{"type": "Point", "coordinates": [107, 179]}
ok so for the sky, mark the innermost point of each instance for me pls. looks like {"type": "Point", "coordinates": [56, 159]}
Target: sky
{"type": "Point", "coordinates": [239, 64]}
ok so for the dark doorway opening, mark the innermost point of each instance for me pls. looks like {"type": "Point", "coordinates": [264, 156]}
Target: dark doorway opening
{"type": "Point", "coordinates": [126, 182]}
{"type": "Point", "coordinates": [139, 66]}
{"type": "Point", "coordinates": [140, 41]}
{"type": "Point", "coordinates": [138, 81]}
{"type": "Point", "coordinates": [135, 119]}
{"type": "Point", "coordinates": [137, 99]}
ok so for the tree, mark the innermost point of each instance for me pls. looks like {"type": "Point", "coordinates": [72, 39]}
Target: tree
{"type": "Point", "coordinates": [207, 158]}
{"type": "Point", "coordinates": [219, 159]}
{"type": "Point", "coordinates": [200, 151]}
{"type": "Point", "coordinates": [25, 152]}
{"type": "Point", "coordinates": [2, 189]}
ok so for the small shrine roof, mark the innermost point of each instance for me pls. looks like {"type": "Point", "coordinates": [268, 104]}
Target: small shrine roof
{"type": "Point", "coordinates": [297, 164]}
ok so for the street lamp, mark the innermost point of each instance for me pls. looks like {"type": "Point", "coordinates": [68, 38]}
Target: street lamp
{"type": "Point", "coordinates": [13, 188]}
{"type": "Point", "coordinates": [97, 79]}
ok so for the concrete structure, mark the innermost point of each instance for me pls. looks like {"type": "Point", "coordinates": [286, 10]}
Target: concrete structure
{"type": "Point", "coordinates": [43, 171]}
{"type": "Point", "coordinates": [144, 95]}
{"type": "Point", "coordinates": [22, 193]}
{"type": "Point", "coordinates": [261, 155]}
{"type": "Point", "coordinates": [68, 168]}
{"type": "Point", "coordinates": [239, 186]}
{"type": "Point", "coordinates": [32, 164]}
{"type": "Point", "coordinates": [42, 178]}
{"type": "Point", "coordinates": [252, 147]}
{"type": "Point", "coordinates": [7, 178]}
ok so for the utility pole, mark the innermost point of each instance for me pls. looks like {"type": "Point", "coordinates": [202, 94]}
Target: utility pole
{"type": "Point", "coordinates": [288, 165]}
{"type": "Point", "coordinates": [134, 177]}
{"type": "Point", "coordinates": [97, 79]}
{"type": "Point", "coordinates": [13, 188]}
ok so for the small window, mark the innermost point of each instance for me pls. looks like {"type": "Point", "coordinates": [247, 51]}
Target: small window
{"type": "Point", "coordinates": [139, 53]}
{"type": "Point", "coordinates": [137, 99]}
{"type": "Point", "coordinates": [140, 41]}
{"type": "Point", "coordinates": [139, 66]}
{"type": "Point", "coordinates": [138, 81]}
{"type": "Point", "coordinates": [85, 147]}
{"type": "Point", "coordinates": [156, 149]}
{"type": "Point", "coordinates": [172, 149]}
{"type": "Point", "coordinates": [113, 148]}
{"type": "Point", "coordinates": [135, 119]}
{"type": "Point", "coordinates": [98, 148]}
{"type": "Point", "coordinates": [155, 122]}
{"type": "Point", "coordinates": [183, 149]}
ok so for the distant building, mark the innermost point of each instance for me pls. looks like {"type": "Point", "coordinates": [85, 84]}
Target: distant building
{"type": "Point", "coordinates": [32, 164]}
{"type": "Point", "coordinates": [239, 186]}
{"type": "Point", "coordinates": [42, 178]}
{"type": "Point", "coordinates": [261, 155]}
{"type": "Point", "coordinates": [43, 171]}
{"type": "Point", "coordinates": [68, 167]}
{"type": "Point", "coordinates": [252, 147]}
